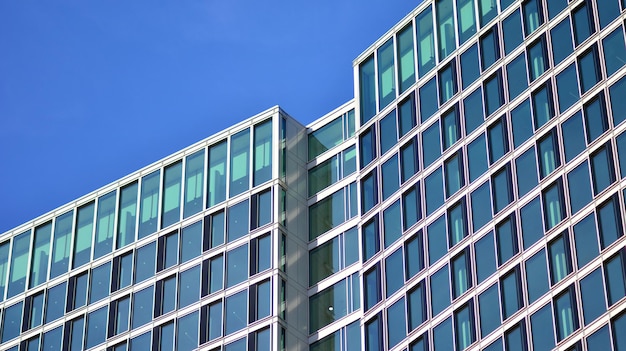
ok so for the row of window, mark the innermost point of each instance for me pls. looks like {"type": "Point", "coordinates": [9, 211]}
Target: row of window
{"type": "Point", "coordinates": [331, 134]}
{"type": "Point", "coordinates": [477, 318]}
{"type": "Point", "coordinates": [48, 256]}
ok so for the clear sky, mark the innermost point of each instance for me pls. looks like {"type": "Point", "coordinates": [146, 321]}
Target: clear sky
{"type": "Point", "coordinates": [91, 91]}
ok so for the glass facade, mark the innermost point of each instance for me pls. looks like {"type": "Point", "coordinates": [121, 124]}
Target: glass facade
{"type": "Point", "coordinates": [469, 197]}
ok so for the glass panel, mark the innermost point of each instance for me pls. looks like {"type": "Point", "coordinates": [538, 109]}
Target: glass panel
{"type": "Point", "coordinates": [417, 306]}
{"type": "Point", "coordinates": [533, 17]}
{"type": "Point", "coordinates": [440, 291]}
{"type": "Point", "coordinates": [485, 257]}
{"type": "Point", "coordinates": [96, 327]}
{"type": "Point", "coordinates": [506, 239]}
{"type": "Point", "coordinates": [607, 12]}
{"type": "Point", "coordinates": [187, 332]}
{"type": "Point", "coordinates": [262, 152]}
{"type": "Point", "coordinates": [194, 183]}
{"type": "Point", "coordinates": [216, 268]}
{"type": "Point", "coordinates": [396, 323]}
{"type": "Point", "coordinates": [61, 244]}
{"type": "Point", "coordinates": [579, 186]}
{"type": "Point", "coordinates": [390, 177]}
{"type": "Point", "coordinates": [516, 75]}
{"type": "Point", "coordinates": [609, 222]}
{"type": "Point", "coordinates": [166, 337]}
{"type": "Point", "coordinates": [618, 105]}
{"type": "Point", "coordinates": [586, 238]}
{"type": "Point", "coordinates": [371, 287]}
{"type": "Point", "coordinates": [11, 322]}
{"type": "Point", "coordinates": [537, 276]}
{"type": "Point", "coordinates": [166, 295]}
{"type": "Point", "coordinates": [144, 340]}
{"type": "Point", "coordinates": [393, 266]}
{"type": "Point", "coordinates": [442, 336]}
{"type": "Point", "coordinates": [561, 38]}
{"type": "Point", "coordinates": [329, 213]}
{"type": "Point", "coordinates": [565, 311]}
{"type": "Point", "coordinates": [426, 41]}
{"type": "Point", "coordinates": [592, 296]}
{"type": "Point", "coordinates": [542, 330]}
{"type": "Point", "coordinates": [19, 264]}
{"type": "Point", "coordinates": [392, 224]}
{"type": "Point", "coordinates": [386, 74]}
{"type": "Point", "coordinates": [216, 174]}
{"type": "Point", "coordinates": [414, 253]}
{"type": "Point", "coordinates": [481, 212]}
{"type": "Point", "coordinates": [567, 88]}
{"type": "Point", "coordinates": [451, 128]}
{"type": "Point", "coordinates": [457, 223]}
{"type": "Point", "coordinates": [100, 282]}
{"type": "Point", "coordinates": [489, 315]}
{"type": "Point", "coordinates": [487, 10]}
{"type": "Point", "coordinates": [445, 28]}
{"type": "Point", "coordinates": [171, 195]}
{"type": "Point", "coordinates": [489, 48]}
{"type": "Point", "coordinates": [428, 99]}
{"type": "Point", "coordinates": [323, 175]}
{"type": "Point", "coordinates": [431, 144]}
{"type": "Point", "coordinates": [83, 235]}
{"type": "Point", "coordinates": [583, 23]}
{"type": "Point", "coordinates": [75, 342]}
{"type": "Point", "coordinates": [477, 158]}
{"type": "Point", "coordinates": [512, 31]}
{"type": "Point", "coordinates": [55, 302]}
{"type": "Point", "coordinates": [526, 172]}
{"type": "Point", "coordinates": [600, 340]}
{"type": "Point", "coordinates": [373, 335]}
{"type": "Point", "coordinates": [560, 265]}
{"type": "Point", "coordinates": [239, 162]}
{"type": "Point", "coordinates": [128, 213]}
{"type": "Point", "coordinates": [470, 67]}
{"type": "Point", "coordinates": [367, 90]}
{"type": "Point", "coordinates": [39, 259]}
{"type": "Point", "coordinates": [553, 207]}
{"type": "Point", "coordinates": [555, 6]}
{"type": "Point", "coordinates": [461, 275]}
{"type": "Point", "coordinates": [324, 261]}
{"type": "Point", "coordinates": [236, 266]}
{"type": "Point", "coordinates": [521, 123]}
{"type": "Point", "coordinates": [408, 160]}
{"type": "Point", "coordinates": [614, 275]}
{"type": "Point", "coordinates": [105, 225]}
{"type": "Point", "coordinates": [602, 169]}
{"type": "Point", "coordinates": [619, 338]}
{"type": "Point", "coordinates": [466, 19]}
{"type": "Point", "coordinates": [548, 154]}
{"type": "Point", "coordinates": [191, 242]}
{"type": "Point", "coordinates": [149, 203]}
{"type": "Point", "coordinates": [464, 328]}
{"type": "Point", "coordinates": [328, 306]}
{"type": "Point", "coordinates": [542, 105]}
{"type": "Point", "coordinates": [406, 58]}
{"type": "Point", "coordinates": [494, 95]}
{"type": "Point", "coordinates": [614, 51]}
{"type": "Point", "coordinates": [501, 189]}
{"type": "Point", "coordinates": [145, 260]}
{"type": "Point", "coordinates": [498, 141]}
{"type": "Point", "coordinates": [189, 287]}
{"type": "Point", "coordinates": [574, 144]}
{"type": "Point", "coordinates": [122, 315]}
{"type": "Point", "coordinates": [370, 238]}
{"type": "Point", "coordinates": [532, 228]}
{"type": "Point", "coordinates": [367, 143]}
{"type": "Point", "coordinates": [238, 221]}
{"type": "Point", "coordinates": [537, 59]}
{"type": "Point", "coordinates": [437, 244]}
{"type": "Point", "coordinates": [447, 82]}
{"type": "Point", "coordinates": [215, 320]}
{"type": "Point", "coordinates": [4, 260]}
{"type": "Point", "coordinates": [589, 69]}
{"type": "Point", "coordinates": [53, 339]}
{"type": "Point", "coordinates": [434, 191]}
{"type": "Point", "coordinates": [511, 294]}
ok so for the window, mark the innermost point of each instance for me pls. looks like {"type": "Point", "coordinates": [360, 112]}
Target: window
{"type": "Point", "coordinates": [120, 316]}
{"type": "Point", "coordinates": [408, 160]}
{"type": "Point", "coordinates": [216, 275]}
{"type": "Point", "coordinates": [445, 28]}
{"type": "Point", "coordinates": [512, 32]}
{"type": "Point", "coordinates": [386, 74]}
{"type": "Point", "coordinates": [434, 191]}
{"type": "Point", "coordinates": [187, 332]}
{"type": "Point", "coordinates": [599, 340]}
{"type": "Point", "coordinates": [582, 18]}
{"type": "Point", "coordinates": [392, 228]}
{"type": "Point", "coordinates": [526, 172]}
{"type": "Point", "coordinates": [145, 262]}
{"type": "Point", "coordinates": [553, 206]}
{"type": "Point", "coordinates": [477, 157]}
{"type": "Point", "coordinates": [621, 153]}
{"type": "Point", "coordinates": [168, 251]}
{"type": "Point", "coordinates": [609, 221]}
{"type": "Point", "coordinates": [574, 144]}
{"type": "Point", "coordinates": [614, 50]}
{"type": "Point", "coordinates": [191, 242]}
{"type": "Point", "coordinates": [614, 273]}
{"type": "Point", "coordinates": [470, 67]}
{"type": "Point", "coordinates": [329, 304]}
{"type": "Point", "coordinates": [414, 255]}
{"type": "Point", "coordinates": [473, 111]}
{"type": "Point", "coordinates": [455, 179]}
{"type": "Point", "coordinates": [561, 38]}
{"type": "Point", "coordinates": [367, 89]}
{"type": "Point", "coordinates": [442, 336]}
{"type": "Point", "coordinates": [216, 174]}
{"type": "Point", "coordinates": [521, 123]}
{"type": "Point", "coordinates": [537, 58]}
{"type": "Point", "coordinates": [586, 239]}
{"type": "Point", "coordinates": [390, 176]}
{"type": "Point", "coordinates": [394, 265]}
{"type": "Point", "coordinates": [189, 286]}
{"type": "Point", "coordinates": [487, 10]}
{"type": "Point", "coordinates": [370, 238]}
{"type": "Point", "coordinates": [511, 293]}
{"type": "Point", "coordinates": [236, 265]}
{"type": "Point", "coordinates": [602, 168]}
{"type": "Point", "coordinates": [373, 334]}
{"type": "Point", "coordinates": [447, 79]}
{"type": "Point", "coordinates": [498, 140]}
{"type": "Point", "coordinates": [369, 192]}
{"type": "Point", "coordinates": [100, 282]}
{"type": "Point", "coordinates": [607, 12]}
{"type": "Point", "coordinates": [533, 16]}
{"type": "Point", "coordinates": [60, 246]}
{"type": "Point", "coordinates": [396, 323]}
{"type": "Point", "coordinates": [485, 257]}
{"type": "Point", "coordinates": [457, 223]}
{"type": "Point", "coordinates": [96, 327]}
{"type": "Point", "coordinates": [440, 291]}
{"type": "Point", "coordinates": [367, 143]}
{"type": "Point", "coordinates": [489, 48]}
{"type": "Point", "coordinates": [502, 189]}
{"type": "Point", "coordinates": [236, 312]}
{"type": "Point", "coordinates": [589, 69]}
{"type": "Point", "coordinates": [425, 41]}
{"type": "Point", "coordinates": [579, 186]}
{"type": "Point", "coordinates": [437, 245]}
{"type": "Point", "coordinates": [489, 315]}
{"type": "Point", "coordinates": [428, 99]}
{"type": "Point", "coordinates": [371, 287]}
{"type": "Point", "coordinates": [82, 241]}
{"type": "Point", "coordinates": [514, 72]}
{"type": "Point", "coordinates": [451, 128]}
{"type": "Point", "coordinates": [194, 182]}
{"type": "Point", "coordinates": [142, 307]}
{"type": "Point", "coordinates": [560, 262]}
{"type": "Point", "coordinates": [532, 227]}
{"type": "Point", "coordinates": [406, 58]}
{"type": "Point", "coordinates": [618, 106]}
{"type": "Point", "coordinates": [40, 253]}
{"type": "Point", "coordinates": [506, 239]}
{"type": "Point", "coordinates": [406, 114]}
{"type": "Point", "coordinates": [464, 327]}
{"type": "Point", "coordinates": [536, 276]}
{"type": "Point", "coordinates": [55, 302]}
{"type": "Point", "coordinates": [542, 330]}
{"type": "Point", "coordinates": [543, 109]}
{"type": "Point", "coordinates": [555, 7]}
{"type": "Point", "coordinates": [592, 296]}
{"type": "Point", "coordinates": [170, 206]}
{"type": "Point", "coordinates": [105, 224]}
{"type": "Point", "coordinates": [565, 313]}
{"type": "Point", "coordinates": [240, 162]}
{"type": "Point", "coordinates": [567, 87]}
{"type": "Point", "coordinates": [462, 275]}
{"type": "Point", "coordinates": [238, 221]}
{"type": "Point", "coordinates": [480, 214]}
{"type": "Point", "coordinates": [411, 206]}
{"type": "Point", "coordinates": [215, 320]}
{"type": "Point", "coordinates": [619, 338]}
{"type": "Point", "coordinates": [548, 150]}
{"type": "Point", "coordinates": [418, 312]}
{"type": "Point", "coordinates": [494, 96]}
{"type": "Point", "coordinates": [388, 132]}
{"type": "Point", "coordinates": [466, 19]}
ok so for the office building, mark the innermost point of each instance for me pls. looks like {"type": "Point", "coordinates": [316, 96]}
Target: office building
{"type": "Point", "coordinates": [470, 197]}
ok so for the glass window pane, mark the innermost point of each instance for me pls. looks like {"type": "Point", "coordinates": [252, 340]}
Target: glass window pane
{"type": "Point", "coordinates": [537, 276]}
{"type": "Point", "coordinates": [216, 273]}
{"type": "Point", "coordinates": [547, 148]}
{"type": "Point", "coordinates": [414, 253]}
{"type": "Point", "coordinates": [392, 228]}
{"type": "Point", "coordinates": [425, 41]}
{"type": "Point", "coordinates": [543, 109]}
{"type": "Point", "coordinates": [532, 227]}
{"type": "Point", "coordinates": [477, 158]}
{"type": "Point", "coordinates": [371, 240]}
{"type": "Point", "coordinates": [609, 222]}
{"type": "Point", "coordinates": [455, 178]}
{"type": "Point", "coordinates": [466, 19]}
{"type": "Point", "coordinates": [96, 327]}
{"type": "Point", "coordinates": [408, 160]}
{"type": "Point", "coordinates": [187, 332]}
{"type": "Point", "coordinates": [145, 261]}
{"type": "Point", "coordinates": [76, 335]}
{"type": "Point", "coordinates": [237, 265]}
{"type": "Point", "coordinates": [618, 104]}
{"type": "Point", "coordinates": [55, 302]}
{"type": "Point", "coordinates": [566, 318]}
{"type": "Point", "coordinates": [417, 306]}
{"type": "Point", "coordinates": [216, 174]}
{"type": "Point", "coordinates": [502, 189]}
{"type": "Point", "coordinates": [127, 215]}
{"type": "Point", "coordinates": [599, 340]}
{"type": "Point", "coordinates": [619, 338]}
{"type": "Point", "coordinates": [191, 242]}
{"type": "Point", "coordinates": [371, 287]}
{"type": "Point", "coordinates": [19, 264]}
{"type": "Point", "coordinates": [602, 168]}
{"type": "Point", "coordinates": [470, 67]}
{"type": "Point", "coordinates": [440, 290]}
{"type": "Point", "coordinates": [487, 10]}
{"type": "Point", "coordinates": [461, 280]}
{"type": "Point", "coordinates": [447, 81]}
{"type": "Point", "coordinates": [373, 335]}
{"type": "Point", "coordinates": [393, 266]}
{"type": "Point", "coordinates": [533, 17]}
{"type": "Point", "coordinates": [406, 58]}
{"type": "Point", "coordinates": [485, 257]}
{"type": "Point", "coordinates": [437, 244]}
{"type": "Point", "coordinates": [451, 128]}
{"type": "Point", "coordinates": [567, 88]}
{"type": "Point", "coordinates": [489, 48]}
{"type": "Point", "coordinates": [194, 183]}
{"type": "Point", "coordinates": [442, 336]}
{"type": "Point", "coordinates": [560, 264]}
{"type": "Point", "coordinates": [189, 287]}
{"type": "Point", "coordinates": [82, 235]}
{"type": "Point", "coordinates": [511, 294]}
{"type": "Point", "coordinates": [434, 191]}
{"type": "Point", "coordinates": [555, 6]}
{"type": "Point", "coordinates": [526, 172]}
{"type": "Point", "coordinates": [516, 76]}
{"type": "Point", "coordinates": [481, 212]}
{"type": "Point", "coordinates": [406, 117]}
{"type": "Point", "coordinates": [171, 197]}
{"type": "Point", "coordinates": [506, 239]}
{"type": "Point", "coordinates": [586, 238]}
{"type": "Point", "coordinates": [607, 12]}
{"type": "Point", "coordinates": [561, 38]}
{"type": "Point", "coordinates": [464, 327]}
{"type": "Point", "coordinates": [100, 282]}
{"type": "Point", "coordinates": [149, 204]}
{"type": "Point", "coordinates": [521, 123]}
{"type": "Point", "coordinates": [386, 74]}
{"type": "Point", "coordinates": [457, 223]}
{"type": "Point", "coordinates": [583, 23]}
{"type": "Point", "coordinates": [39, 258]}
{"type": "Point", "coordinates": [61, 244]}
{"type": "Point", "coordinates": [579, 186]}
{"type": "Point", "coordinates": [542, 330]}
{"type": "Point", "coordinates": [262, 152]}
{"type": "Point", "coordinates": [239, 163]}
{"type": "Point", "coordinates": [494, 96]}
{"type": "Point", "coordinates": [238, 221]}
{"type": "Point", "coordinates": [489, 315]}
{"type": "Point", "coordinates": [537, 59]}
{"type": "Point", "coordinates": [105, 225]}
{"type": "Point", "coordinates": [367, 89]}
{"type": "Point", "coordinates": [574, 144]}
{"type": "Point", "coordinates": [11, 322]}
{"type": "Point", "coordinates": [428, 100]}
{"type": "Point", "coordinates": [367, 143]}
{"type": "Point", "coordinates": [445, 28]}
{"type": "Point", "coordinates": [390, 177]}
{"type": "Point", "coordinates": [498, 141]}
{"type": "Point", "coordinates": [53, 339]}
{"type": "Point", "coordinates": [614, 275]}
{"type": "Point", "coordinates": [614, 50]}
{"type": "Point", "coordinates": [553, 206]}
{"type": "Point", "coordinates": [512, 31]}
{"type": "Point", "coordinates": [592, 296]}
{"type": "Point", "coordinates": [236, 312]}
{"type": "Point", "coordinates": [589, 69]}
{"type": "Point", "coordinates": [396, 323]}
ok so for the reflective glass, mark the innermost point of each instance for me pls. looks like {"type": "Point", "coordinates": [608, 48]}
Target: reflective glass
{"type": "Point", "coordinates": [262, 153]}
{"type": "Point", "coordinates": [502, 189]}
{"type": "Point", "coordinates": [481, 213]}
{"type": "Point", "coordinates": [579, 186]}
{"type": "Point", "coordinates": [187, 332]}
{"type": "Point", "coordinates": [526, 172]}
{"type": "Point", "coordinates": [574, 144]}
{"type": "Point", "coordinates": [141, 341]}
{"type": "Point", "coordinates": [434, 191]}
{"type": "Point", "coordinates": [447, 81]}
{"type": "Point", "coordinates": [440, 290]}
{"type": "Point", "coordinates": [609, 222]}
{"type": "Point", "coordinates": [236, 312]}
{"type": "Point", "coordinates": [417, 306]}
{"type": "Point", "coordinates": [532, 227]}
{"type": "Point", "coordinates": [82, 236]}
{"type": "Point", "coordinates": [327, 306]}
{"type": "Point", "coordinates": [619, 338]}
{"type": "Point", "coordinates": [592, 296]}
{"type": "Point", "coordinates": [408, 160]}
{"type": "Point", "coordinates": [451, 128]}
{"type": "Point", "coordinates": [477, 157]}
{"type": "Point", "coordinates": [599, 340]}
{"type": "Point", "coordinates": [445, 28]}
{"type": "Point", "coordinates": [487, 10]}
{"type": "Point", "coordinates": [11, 322]}
{"type": "Point", "coordinates": [464, 327]}
{"type": "Point", "coordinates": [489, 315]}
{"type": "Point", "coordinates": [485, 257]}
{"type": "Point", "coordinates": [428, 99]}
{"type": "Point", "coordinates": [373, 335]}
{"type": "Point", "coordinates": [216, 174]}
{"type": "Point", "coordinates": [39, 257]}
{"type": "Point", "coordinates": [61, 244]}
{"type": "Point", "coordinates": [602, 168]}
{"type": "Point", "coordinates": [516, 76]}
{"type": "Point", "coordinates": [52, 339]}
{"type": "Point", "coordinates": [521, 123]}
{"type": "Point", "coordinates": [547, 148]}
{"type": "Point", "coordinates": [367, 143]}
{"type": "Point", "coordinates": [215, 320]}
{"type": "Point", "coordinates": [122, 314]}
{"type": "Point", "coordinates": [455, 178]}
{"type": "Point", "coordinates": [75, 342]}
{"type": "Point", "coordinates": [537, 276]}
{"type": "Point", "coordinates": [390, 177]}
{"type": "Point", "coordinates": [473, 111]}
{"type": "Point", "coordinates": [589, 69]}
{"type": "Point", "coordinates": [371, 287]}
{"type": "Point", "coordinates": [170, 208]}
{"type": "Point", "coordinates": [96, 327]}
{"type": "Point", "coordinates": [511, 295]}
{"type": "Point", "coordinates": [414, 253]}
{"type": "Point", "coordinates": [533, 17]}
{"type": "Point", "coordinates": [396, 323]}
{"type": "Point", "coordinates": [437, 244]}
{"type": "Point", "coordinates": [542, 330]}
{"type": "Point", "coordinates": [238, 221]}
{"type": "Point", "coordinates": [512, 31]}
{"type": "Point", "coordinates": [565, 313]}
{"type": "Point", "coordinates": [425, 41]}
{"type": "Point", "coordinates": [406, 58]}
{"type": "Point", "coordinates": [388, 132]}
{"type": "Point", "coordinates": [189, 286]}
{"type": "Point", "coordinates": [498, 141]}
{"type": "Point", "coordinates": [406, 117]}
{"type": "Point", "coordinates": [586, 238]}
{"type": "Point", "coordinates": [543, 109]}
{"type": "Point", "coordinates": [55, 302]}
{"type": "Point", "coordinates": [166, 337]}
{"type": "Point", "coordinates": [607, 12]}
{"type": "Point", "coordinates": [614, 51]}
{"type": "Point", "coordinates": [100, 282]}
{"type": "Point", "coordinates": [489, 48]}
{"type": "Point", "coordinates": [371, 240]}
{"type": "Point", "coordinates": [324, 261]}
{"type": "Point", "coordinates": [560, 263]}
{"type": "Point", "coordinates": [567, 88]}
{"type": "Point", "coordinates": [237, 265]}
{"type": "Point", "coordinates": [142, 307]}
{"type": "Point", "coordinates": [537, 59]}
{"type": "Point", "coordinates": [194, 183]}
{"type": "Point", "coordinates": [457, 223]}
{"type": "Point", "coordinates": [105, 225]}
{"type": "Point", "coordinates": [442, 336]}
{"type": "Point", "coordinates": [149, 204]}
{"type": "Point", "coordinates": [555, 6]}
{"type": "Point", "coordinates": [618, 104]}
{"type": "Point", "coordinates": [553, 206]}
{"type": "Point", "coordinates": [386, 74]}
{"type": "Point", "coordinates": [239, 163]}
{"type": "Point", "coordinates": [466, 19]}
{"type": "Point", "coordinates": [506, 239]}
{"type": "Point", "coordinates": [561, 38]}
{"type": "Point", "coordinates": [620, 141]}
{"type": "Point", "coordinates": [614, 275]}
{"type": "Point", "coordinates": [367, 89]}
{"type": "Point", "coordinates": [392, 224]}
{"type": "Point", "coordinates": [461, 280]}
{"type": "Point", "coordinates": [145, 260]}
{"type": "Point", "coordinates": [582, 18]}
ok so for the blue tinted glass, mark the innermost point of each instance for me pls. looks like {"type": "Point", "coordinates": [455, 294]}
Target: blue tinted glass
{"type": "Point", "coordinates": [237, 265]}
{"type": "Point", "coordinates": [493, 93]}
{"type": "Point", "coordinates": [140, 342]}
{"type": "Point", "coordinates": [553, 207]}
{"type": "Point", "coordinates": [583, 23]}
{"type": "Point", "coordinates": [548, 154]}
{"type": "Point", "coordinates": [589, 69]}
{"type": "Point", "coordinates": [454, 174]}
{"type": "Point", "coordinates": [466, 18]}
{"type": "Point", "coordinates": [609, 222]}
{"type": "Point", "coordinates": [618, 103]}
{"type": "Point", "coordinates": [52, 339]}
{"type": "Point", "coordinates": [392, 224]}
{"type": "Point", "coordinates": [451, 128]}
{"type": "Point", "coordinates": [473, 111]}
{"type": "Point", "coordinates": [579, 186]}
{"type": "Point", "coordinates": [481, 213]}
{"type": "Point", "coordinates": [489, 49]}
{"type": "Point", "coordinates": [574, 143]}
{"type": "Point", "coordinates": [428, 99]}
{"type": "Point", "coordinates": [506, 239]}
{"type": "Point", "coordinates": [621, 153]}
{"type": "Point", "coordinates": [511, 296]}
{"type": "Point", "coordinates": [373, 337]}
{"type": "Point", "coordinates": [437, 245]}
{"type": "Point", "coordinates": [614, 275]}
{"type": "Point", "coordinates": [236, 312]}
{"type": "Point", "coordinates": [567, 88]}
{"type": "Point", "coordinates": [371, 242]}
{"type": "Point", "coordinates": [189, 287]}
{"type": "Point", "coordinates": [537, 276]}
{"type": "Point", "coordinates": [371, 287]}
{"type": "Point", "coordinates": [390, 176]}
{"type": "Point", "coordinates": [595, 118]}
{"type": "Point", "coordinates": [55, 302]}
{"type": "Point", "coordinates": [485, 257]}
{"type": "Point", "coordinates": [11, 322]}
{"type": "Point", "coordinates": [414, 253]}
{"type": "Point", "coordinates": [512, 32]}
{"type": "Point", "coordinates": [367, 91]}
{"type": "Point", "coordinates": [408, 160]}
{"type": "Point", "coordinates": [521, 123]}
{"type": "Point", "coordinates": [488, 303]}
{"type": "Point", "coordinates": [464, 328]}
{"type": "Point", "coordinates": [447, 82]}
{"type": "Point", "coordinates": [388, 132]}
{"type": "Point", "coordinates": [537, 59]}
{"type": "Point", "coordinates": [406, 113]}
{"type": "Point", "coordinates": [555, 6]}
{"type": "Point", "coordinates": [470, 69]}
{"type": "Point", "coordinates": [586, 238]}
{"type": "Point", "coordinates": [431, 144]}
{"type": "Point", "coordinates": [516, 73]}
{"type": "Point", "coordinates": [498, 141]}
{"type": "Point", "coordinates": [561, 38]}
{"type": "Point", "coordinates": [494, 346]}
{"type": "Point", "coordinates": [532, 15]}
{"type": "Point", "coordinates": [417, 306]}
{"type": "Point", "coordinates": [461, 280]}
{"type": "Point", "coordinates": [369, 192]}
{"type": "Point", "coordinates": [238, 221]}
{"type": "Point", "coordinates": [434, 191]}
{"type": "Point", "coordinates": [442, 336]}
{"type": "Point", "coordinates": [600, 340]}
{"type": "Point", "coordinates": [526, 172]}
{"type": "Point", "coordinates": [487, 10]}
{"type": "Point", "coordinates": [187, 332]}
{"type": "Point", "coordinates": [602, 169]}
{"type": "Point", "coordinates": [477, 158]}
{"type": "Point", "coordinates": [96, 330]}
{"type": "Point", "coordinates": [608, 11]}
{"type": "Point", "coordinates": [560, 265]}
{"type": "Point", "coordinates": [440, 290]}
{"type": "Point", "coordinates": [619, 338]}
{"type": "Point", "coordinates": [393, 265]}
{"type": "Point", "coordinates": [411, 207]}
{"type": "Point", "coordinates": [542, 106]}
{"type": "Point", "coordinates": [142, 307]}
{"type": "Point", "coordinates": [426, 41]}
{"type": "Point", "coordinates": [565, 313]}
{"type": "Point", "coordinates": [542, 330]}
{"type": "Point", "coordinates": [592, 294]}
{"type": "Point", "coordinates": [457, 223]}
{"type": "Point", "coordinates": [614, 51]}
{"type": "Point", "coordinates": [77, 333]}
{"type": "Point", "coordinates": [396, 323]}
{"type": "Point", "coordinates": [501, 189]}
{"type": "Point", "coordinates": [516, 339]}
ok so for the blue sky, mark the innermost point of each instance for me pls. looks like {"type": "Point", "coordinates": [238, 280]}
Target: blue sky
{"type": "Point", "coordinates": [91, 91]}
